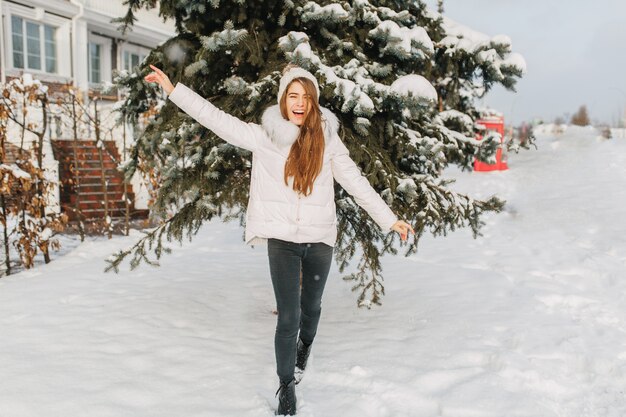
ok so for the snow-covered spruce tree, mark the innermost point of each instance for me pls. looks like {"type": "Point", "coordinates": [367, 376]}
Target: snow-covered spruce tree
{"type": "Point", "coordinates": [465, 66]}
{"type": "Point", "coordinates": [374, 60]}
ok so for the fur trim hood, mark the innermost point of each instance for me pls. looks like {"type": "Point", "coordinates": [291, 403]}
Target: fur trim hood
{"type": "Point", "coordinates": [284, 133]}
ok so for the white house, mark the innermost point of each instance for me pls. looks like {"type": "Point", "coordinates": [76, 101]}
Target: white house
{"type": "Point", "coordinates": [61, 41]}
{"type": "Point", "coordinates": [74, 40]}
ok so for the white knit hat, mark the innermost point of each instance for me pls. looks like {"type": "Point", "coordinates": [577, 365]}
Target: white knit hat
{"type": "Point", "coordinates": [290, 75]}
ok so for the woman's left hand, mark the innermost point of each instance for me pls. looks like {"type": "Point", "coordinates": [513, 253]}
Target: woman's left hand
{"type": "Point", "coordinates": [403, 228]}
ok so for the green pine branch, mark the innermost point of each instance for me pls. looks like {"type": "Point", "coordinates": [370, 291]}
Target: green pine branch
{"type": "Point", "coordinates": [185, 223]}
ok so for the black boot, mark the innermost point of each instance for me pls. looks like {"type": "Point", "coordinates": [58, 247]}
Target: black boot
{"type": "Point", "coordinates": [302, 356]}
{"type": "Point", "coordinates": [286, 399]}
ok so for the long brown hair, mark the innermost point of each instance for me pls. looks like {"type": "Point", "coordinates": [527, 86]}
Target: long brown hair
{"type": "Point", "coordinates": [304, 162]}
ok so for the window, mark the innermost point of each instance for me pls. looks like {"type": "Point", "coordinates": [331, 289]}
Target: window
{"type": "Point", "coordinates": [51, 49]}
{"type": "Point", "coordinates": [95, 63]}
{"type": "Point", "coordinates": [98, 60]}
{"type": "Point", "coordinates": [18, 42]}
{"type": "Point", "coordinates": [132, 60]}
{"type": "Point", "coordinates": [34, 45]}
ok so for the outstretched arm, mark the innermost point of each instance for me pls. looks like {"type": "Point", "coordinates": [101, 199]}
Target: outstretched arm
{"type": "Point", "coordinates": [349, 176]}
{"type": "Point", "coordinates": [227, 127]}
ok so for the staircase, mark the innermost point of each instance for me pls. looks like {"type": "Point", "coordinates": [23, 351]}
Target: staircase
{"type": "Point", "coordinates": [90, 192]}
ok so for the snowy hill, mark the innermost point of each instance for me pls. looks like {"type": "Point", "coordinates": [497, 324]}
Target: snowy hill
{"type": "Point", "coordinates": [528, 320]}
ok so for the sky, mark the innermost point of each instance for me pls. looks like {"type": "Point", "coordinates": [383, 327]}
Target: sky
{"type": "Point", "coordinates": [575, 53]}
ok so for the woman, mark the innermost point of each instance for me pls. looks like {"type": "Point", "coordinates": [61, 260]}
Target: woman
{"type": "Point", "coordinates": [296, 155]}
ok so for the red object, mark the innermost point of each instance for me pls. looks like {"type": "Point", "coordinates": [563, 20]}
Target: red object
{"type": "Point", "coordinates": [492, 123]}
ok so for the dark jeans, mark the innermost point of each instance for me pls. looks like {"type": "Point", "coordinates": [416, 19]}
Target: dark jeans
{"type": "Point", "coordinates": [298, 309]}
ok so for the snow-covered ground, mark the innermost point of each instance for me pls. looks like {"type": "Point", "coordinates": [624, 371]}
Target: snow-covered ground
{"type": "Point", "coordinates": [528, 320]}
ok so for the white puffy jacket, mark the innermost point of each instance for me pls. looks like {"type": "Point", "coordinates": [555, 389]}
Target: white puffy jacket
{"type": "Point", "coordinates": [275, 210]}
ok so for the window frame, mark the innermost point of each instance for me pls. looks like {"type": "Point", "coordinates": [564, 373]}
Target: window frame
{"type": "Point", "coordinates": [131, 49]}
{"type": "Point", "coordinates": [90, 62]}
{"type": "Point", "coordinates": [63, 44]}
{"type": "Point", "coordinates": [105, 59]}
{"type": "Point", "coordinates": [26, 49]}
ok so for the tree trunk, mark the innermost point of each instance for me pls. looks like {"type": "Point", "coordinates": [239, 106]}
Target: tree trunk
{"type": "Point", "coordinates": [40, 182]}
{"type": "Point", "coordinates": [5, 237]}
{"type": "Point", "coordinates": [23, 133]}
{"type": "Point", "coordinates": [3, 207]}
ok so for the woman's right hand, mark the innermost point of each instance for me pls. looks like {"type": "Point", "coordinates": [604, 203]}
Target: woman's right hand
{"type": "Point", "coordinates": [403, 228]}
{"type": "Point", "coordinates": [160, 78]}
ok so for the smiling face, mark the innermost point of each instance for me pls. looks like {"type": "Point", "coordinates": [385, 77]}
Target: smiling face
{"type": "Point", "coordinates": [297, 103]}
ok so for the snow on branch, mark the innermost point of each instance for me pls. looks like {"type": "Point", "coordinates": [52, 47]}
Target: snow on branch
{"type": "Point", "coordinates": [26, 81]}
{"type": "Point", "coordinates": [387, 13]}
{"type": "Point", "coordinates": [331, 12]}
{"type": "Point", "coordinates": [402, 42]}
{"type": "Point", "coordinates": [414, 86]}
{"type": "Point", "coordinates": [226, 38]}
{"type": "Point", "coordinates": [291, 41]}
{"type": "Point", "coordinates": [461, 118]}
{"type": "Point", "coordinates": [460, 37]}
{"type": "Point", "coordinates": [14, 171]}
{"type": "Point", "coordinates": [515, 60]}
{"type": "Point", "coordinates": [253, 91]}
